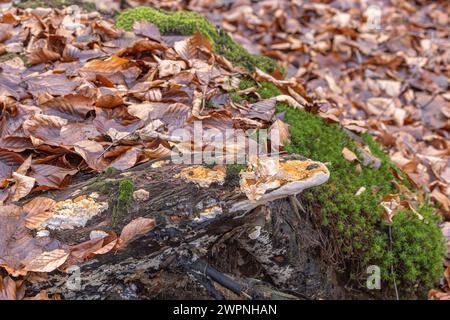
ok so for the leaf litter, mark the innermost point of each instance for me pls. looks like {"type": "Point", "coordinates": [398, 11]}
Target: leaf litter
{"type": "Point", "coordinates": [120, 93]}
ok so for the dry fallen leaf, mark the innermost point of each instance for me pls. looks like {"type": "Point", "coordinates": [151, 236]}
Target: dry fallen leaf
{"type": "Point", "coordinates": [349, 155]}
{"type": "Point", "coordinates": [134, 229]}
{"type": "Point", "coordinates": [47, 261]}
{"type": "Point", "coordinates": [22, 186]}
{"type": "Point", "coordinates": [37, 211]}
{"type": "Point", "coordinates": [10, 289]}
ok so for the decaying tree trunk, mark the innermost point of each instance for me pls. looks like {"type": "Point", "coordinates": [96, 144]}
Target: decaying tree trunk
{"type": "Point", "coordinates": [271, 252]}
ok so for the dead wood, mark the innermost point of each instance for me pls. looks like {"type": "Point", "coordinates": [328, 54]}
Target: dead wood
{"type": "Point", "coordinates": [271, 252]}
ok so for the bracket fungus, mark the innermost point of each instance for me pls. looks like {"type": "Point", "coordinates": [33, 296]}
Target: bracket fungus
{"type": "Point", "coordinates": [269, 179]}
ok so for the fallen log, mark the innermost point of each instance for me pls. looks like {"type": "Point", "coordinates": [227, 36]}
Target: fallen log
{"type": "Point", "coordinates": [272, 251]}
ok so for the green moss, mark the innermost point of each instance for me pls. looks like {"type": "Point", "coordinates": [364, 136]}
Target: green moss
{"type": "Point", "coordinates": [109, 172]}
{"type": "Point", "coordinates": [187, 23]}
{"type": "Point", "coordinates": [102, 185]}
{"type": "Point", "coordinates": [417, 246]}
{"type": "Point", "coordinates": [10, 55]}
{"type": "Point", "coordinates": [7, 56]}
{"type": "Point", "coordinates": [232, 174]}
{"type": "Point", "coordinates": [124, 200]}
{"type": "Point", "coordinates": [247, 83]}
{"type": "Point", "coordinates": [268, 90]}
{"type": "Point", "coordinates": [353, 223]}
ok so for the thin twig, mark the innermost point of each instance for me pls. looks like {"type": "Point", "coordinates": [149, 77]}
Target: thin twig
{"type": "Point", "coordinates": [114, 143]}
{"type": "Point", "coordinates": [392, 265]}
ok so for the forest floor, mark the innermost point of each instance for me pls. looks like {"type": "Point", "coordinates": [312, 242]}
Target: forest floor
{"type": "Point", "coordinates": [381, 68]}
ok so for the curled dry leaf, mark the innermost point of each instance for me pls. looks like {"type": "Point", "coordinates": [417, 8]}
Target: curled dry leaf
{"type": "Point", "coordinates": [50, 177]}
{"type": "Point", "coordinates": [134, 229]}
{"type": "Point", "coordinates": [349, 155]}
{"type": "Point", "coordinates": [47, 261]}
{"type": "Point", "coordinates": [10, 289]}
{"type": "Point", "coordinates": [170, 67]}
{"type": "Point", "coordinates": [90, 248]}
{"type": "Point", "coordinates": [126, 160]}
{"type": "Point", "coordinates": [91, 152]}
{"type": "Point", "coordinates": [281, 130]}
{"type": "Point", "coordinates": [20, 252]}
{"type": "Point", "coordinates": [9, 162]}
{"type": "Point", "coordinates": [42, 55]}
{"type": "Point", "coordinates": [147, 29]}
{"type": "Point", "coordinates": [22, 187]}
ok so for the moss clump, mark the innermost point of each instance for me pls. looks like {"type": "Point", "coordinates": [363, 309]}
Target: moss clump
{"type": "Point", "coordinates": [354, 223]}
{"type": "Point", "coordinates": [187, 23]}
{"type": "Point", "coordinates": [417, 246]}
{"type": "Point", "coordinates": [232, 174]}
{"type": "Point", "coordinates": [124, 200]}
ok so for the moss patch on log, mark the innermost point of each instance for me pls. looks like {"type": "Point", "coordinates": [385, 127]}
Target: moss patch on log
{"type": "Point", "coordinates": [353, 224]}
{"type": "Point", "coordinates": [124, 200]}
{"type": "Point", "coordinates": [187, 23]}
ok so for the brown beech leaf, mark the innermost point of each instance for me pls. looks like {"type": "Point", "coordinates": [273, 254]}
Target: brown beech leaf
{"type": "Point", "coordinates": [134, 229]}
{"type": "Point", "coordinates": [108, 98]}
{"type": "Point", "coordinates": [90, 248]}
{"type": "Point", "coordinates": [349, 155]}
{"type": "Point", "coordinates": [263, 110]}
{"type": "Point", "coordinates": [91, 152]}
{"type": "Point", "coordinates": [17, 245]}
{"type": "Point", "coordinates": [45, 128]}
{"type": "Point", "coordinates": [42, 55]}
{"type": "Point", "coordinates": [37, 211]}
{"type": "Point", "coordinates": [147, 29]}
{"type": "Point", "coordinates": [9, 162]}
{"type": "Point", "coordinates": [188, 49]}
{"type": "Point", "coordinates": [112, 64]}
{"type": "Point", "coordinates": [50, 177]}
{"type": "Point", "coordinates": [158, 152]}
{"type": "Point", "coordinates": [72, 107]}
{"type": "Point", "coordinates": [47, 261]}
{"type": "Point", "coordinates": [22, 187]}
{"type": "Point", "coordinates": [17, 144]}
{"type": "Point", "coordinates": [143, 110]}
{"type": "Point", "coordinates": [126, 160]}
{"type": "Point", "coordinates": [72, 53]}
{"type": "Point", "coordinates": [10, 289]}
{"type": "Point", "coordinates": [23, 168]}
{"type": "Point", "coordinates": [282, 130]}
{"type": "Point", "coordinates": [441, 198]}
{"type": "Point", "coordinates": [51, 83]}
{"type": "Point", "coordinates": [170, 67]}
